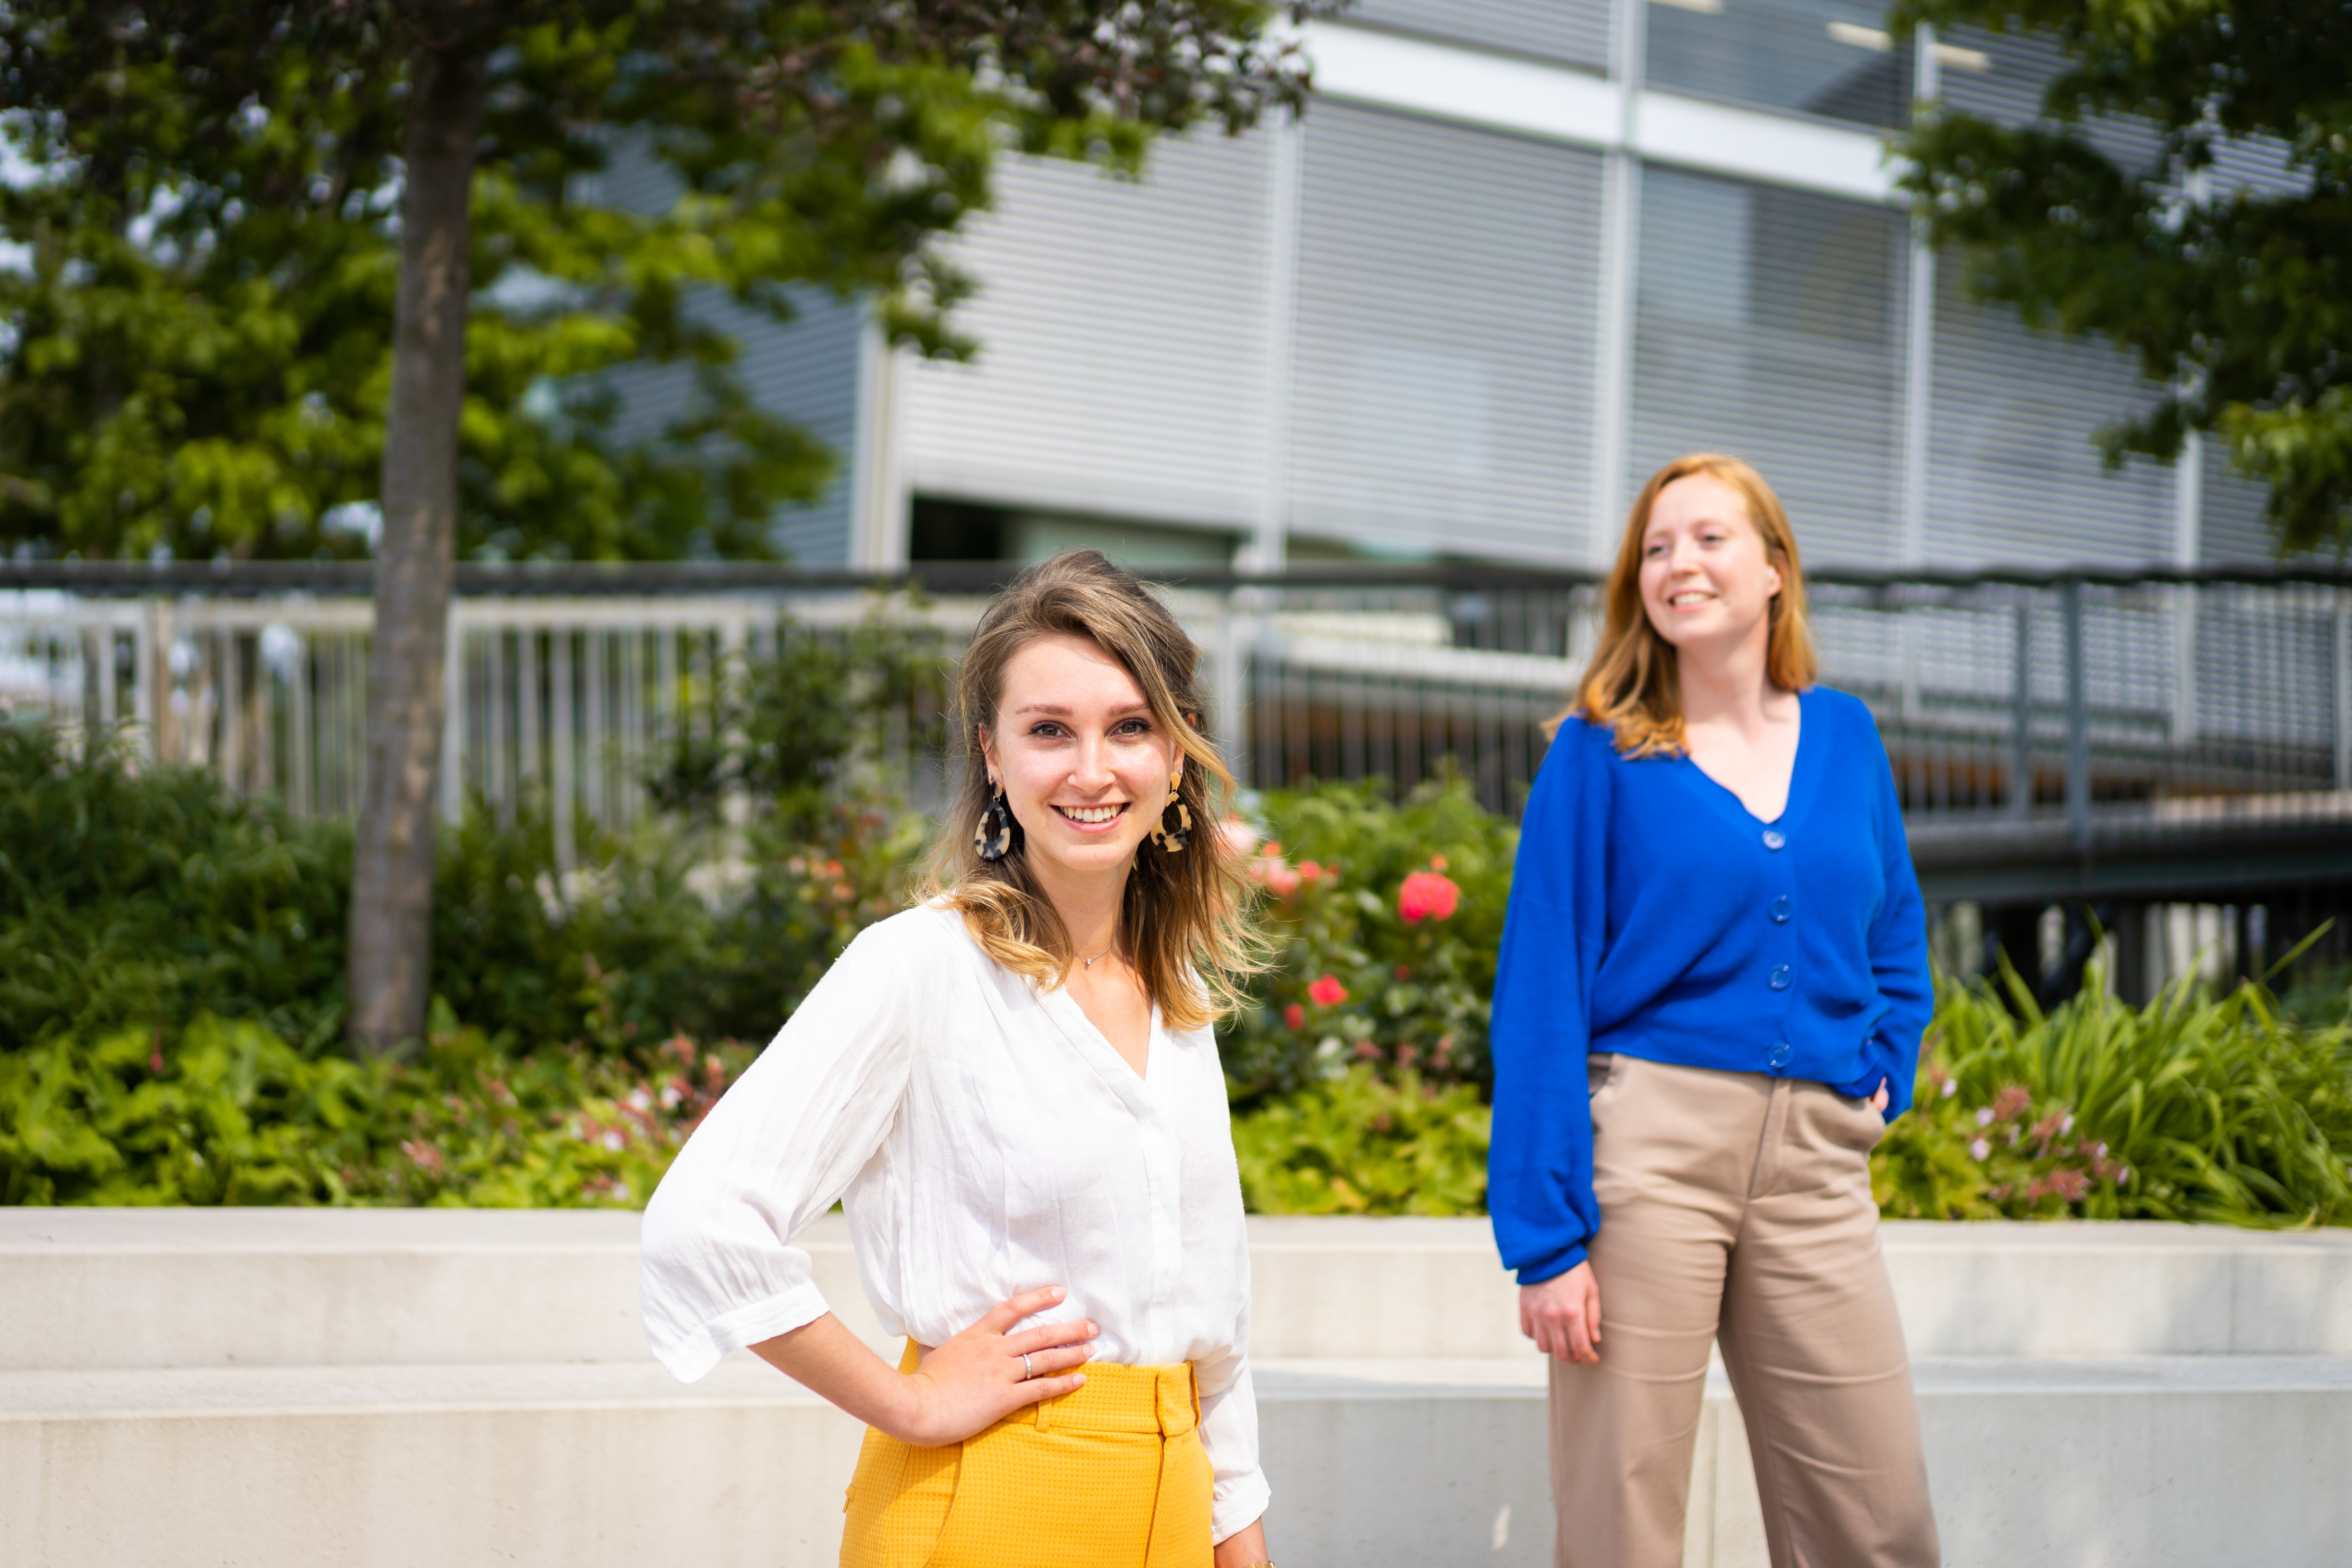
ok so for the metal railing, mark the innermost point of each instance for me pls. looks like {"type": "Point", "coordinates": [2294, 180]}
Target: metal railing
{"type": "Point", "coordinates": [2059, 704]}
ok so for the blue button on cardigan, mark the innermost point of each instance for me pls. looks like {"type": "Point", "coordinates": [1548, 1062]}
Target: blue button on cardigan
{"type": "Point", "coordinates": [1652, 914]}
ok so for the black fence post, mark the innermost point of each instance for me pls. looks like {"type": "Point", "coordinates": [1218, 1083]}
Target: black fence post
{"type": "Point", "coordinates": [2078, 740]}
{"type": "Point", "coordinates": [2020, 716]}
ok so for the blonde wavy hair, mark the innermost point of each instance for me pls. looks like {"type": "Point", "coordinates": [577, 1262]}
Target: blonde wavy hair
{"type": "Point", "coordinates": [1187, 921]}
{"type": "Point", "coordinates": [1631, 687]}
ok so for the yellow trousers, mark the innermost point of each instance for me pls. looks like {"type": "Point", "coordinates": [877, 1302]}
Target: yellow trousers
{"type": "Point", "coordinates": [1112, 1476]}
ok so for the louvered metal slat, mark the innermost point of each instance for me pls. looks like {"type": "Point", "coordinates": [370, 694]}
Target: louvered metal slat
{"type": "Point", "coordinates": [2013, 476]}
{"type": "Point", "coordinates": [1122, 329]}
{"type": "Point", "coordinates": [1833, 59]}
{"type": "Point", "coordinates": [807, 372]}
{"type": "Point", "coordinates": [2019, 71]}
{"type": "Point", "coordinates": [2259, 165]}
{"type": "Point", "coordinates": [1448, 286]}
{"type": "Point", "coordinates": [1770, 324]}
{"type": "Point", "coordinates": [1574, 32]}
{"type": "Point", "coordinates": [2234, 529]}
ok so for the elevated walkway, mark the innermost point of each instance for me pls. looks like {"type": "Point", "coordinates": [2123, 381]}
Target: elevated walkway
{"type": "Point", "coordinates": [413, 1387]}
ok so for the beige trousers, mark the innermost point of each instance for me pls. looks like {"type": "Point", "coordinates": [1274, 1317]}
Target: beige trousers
{"type": "Point", "coordinates": [1735, 1207]}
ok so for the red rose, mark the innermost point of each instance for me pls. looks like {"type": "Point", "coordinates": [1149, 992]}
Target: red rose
{"type": "Point", "coordinates": [1427, 896]}
{"type": "Point", "coordinates": [1326, 992]}
{"type": "Point", "coordinates": [1295, 1016]}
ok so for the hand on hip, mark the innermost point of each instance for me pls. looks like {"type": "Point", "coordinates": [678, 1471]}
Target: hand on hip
{"type": "Point", "coordinates": [984, 1373]}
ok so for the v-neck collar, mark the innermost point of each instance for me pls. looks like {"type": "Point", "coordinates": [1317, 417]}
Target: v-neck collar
{"type": "Point", "coordinates": [1801, 780]}
{"type": "Point", "coordinates": [1093, 1044]}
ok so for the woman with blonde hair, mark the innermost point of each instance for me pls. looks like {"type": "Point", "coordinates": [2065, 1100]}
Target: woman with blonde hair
{"type": "Point", "coordinates": [1713, 982]}
{"type": "Point", "coordinates": [1014, 1090]}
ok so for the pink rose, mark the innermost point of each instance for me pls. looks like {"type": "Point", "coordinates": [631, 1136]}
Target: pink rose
{"type": "Point", "coordinates": [1427, 896]}
{"type": "Point", "coordinates": [1326, 992]}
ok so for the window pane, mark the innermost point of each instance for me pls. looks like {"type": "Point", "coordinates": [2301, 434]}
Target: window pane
{"type": "Point", "coordinates": [1122, 328]}
{"type": "Point", "coordinates": [1770, 325]}
{"type": "Point", "coordinates": [1575, 32]}
{"type": "Point", "coordinates": [1830, 58]}
{"type": "Point", "coordinates": [1447, 295]}
{"type": "Point", "coordinates": [2014, 478]}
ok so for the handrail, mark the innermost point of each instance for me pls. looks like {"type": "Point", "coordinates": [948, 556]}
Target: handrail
{"type": "Point", "coordinates": [118, 579]}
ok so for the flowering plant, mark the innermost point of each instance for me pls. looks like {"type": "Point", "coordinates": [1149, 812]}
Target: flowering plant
{"type": "Point", "coordinates": [1360, 1144]}
{"type": "Point", "coordinates": [2189, 1108]}
{"type": "Point", "coordinates": [1387, 916]}
{"type": "Point", "coordinates": [1428, 895]}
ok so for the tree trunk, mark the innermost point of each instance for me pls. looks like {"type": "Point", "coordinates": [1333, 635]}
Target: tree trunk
{"type": "Point", "coordinates": [392, 875]}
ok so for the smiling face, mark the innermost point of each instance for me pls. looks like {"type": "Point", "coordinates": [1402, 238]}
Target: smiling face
{"type": "Point", "coordinates": [1706, 583]}
{"type": "Point", "coordinates": [1084, 762]}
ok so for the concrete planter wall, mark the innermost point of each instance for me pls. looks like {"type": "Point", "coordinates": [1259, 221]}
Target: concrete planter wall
{"type": "Point", "coordinates": [397, 1387]}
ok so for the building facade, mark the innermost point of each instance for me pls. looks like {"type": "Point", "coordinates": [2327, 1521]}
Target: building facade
{"type": "Point", "coordinates": [1517, 253]}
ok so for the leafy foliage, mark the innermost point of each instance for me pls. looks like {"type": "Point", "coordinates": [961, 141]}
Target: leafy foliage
{"type": "Point", "coordinates": [1356, 981]}
{"type": "Point", "coordinates": [228, 1112]}
{"type": "Point", "coordinates": [127, 898]}
{"type": "Point", "coordinates": [2191, 1107]}
{"type": "Point", "coordinates": [2318, 995]}
{"type": "Point", "coordinates": [828, 714]}
{"type": "Point", "coordinates": [130, 899]}
{"type": "Point", "coordinates": [200, 343]}
{"type": "Point", "coordinates": [132, 902]}
{"type": "Point", "coordinates": [1358, 1144]}
{"type": "Point", "coordinates": [2238, 302]}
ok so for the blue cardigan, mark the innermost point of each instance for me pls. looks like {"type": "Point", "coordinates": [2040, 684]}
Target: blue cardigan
{"type": "Point", "coordinates": [1652, 914]}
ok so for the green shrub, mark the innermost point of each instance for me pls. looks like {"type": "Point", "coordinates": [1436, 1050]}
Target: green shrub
{"type": "Point", "coordinates": [1357, 982]}
{"type": "Point", "coordinates": [2318, 995]}
{"type": "Point", "coordinates": [127, 897]}
{"type": "Point", "coordinates": [675, 926]}
{"type": "Point", "coordinates": [132, 895]}
{"type": "Point", "coordinates": [1358, 1144]}
{"type": "Point", "coordinates": [228, 1112]}
{"type": "Point", "coordinates": [2189, 1109]}
{"type": "Point", "coordinates": [171, 970]}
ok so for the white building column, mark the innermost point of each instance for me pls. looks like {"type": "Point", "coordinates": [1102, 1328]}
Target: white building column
{"type": "Point", "coordinates": [2187, 551]}
{"type": "Point", "coordinates": [879, 501]}
{"type": "Point", "coordinates": [1268, 544]}
{"type": "Point", "coordinates": [1620, 292]}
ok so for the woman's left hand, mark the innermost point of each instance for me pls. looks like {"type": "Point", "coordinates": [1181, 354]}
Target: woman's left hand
{"type": "Point", "coordinates": [1878, 1101]}
{"type": "Point", "coordinates": [1243, 1547]}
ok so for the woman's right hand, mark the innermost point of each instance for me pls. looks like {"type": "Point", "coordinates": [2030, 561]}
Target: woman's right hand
{"type": "Point", "coordinates": [975, 1379]}
{"type": "Point", "coordinates": [1562, 1314]}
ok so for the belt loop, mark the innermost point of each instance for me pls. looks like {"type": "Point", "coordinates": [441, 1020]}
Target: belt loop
{"type": "Point", "coordinates": [1167, 1402]}
{"type": "Point", "coordinates": [1038, 1413]}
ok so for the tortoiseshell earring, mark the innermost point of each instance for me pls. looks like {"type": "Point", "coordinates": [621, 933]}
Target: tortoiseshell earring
{"type": "Point", "coordinates": [992, 840]}
{"type": "Point", "coordinates": [1174, 838]}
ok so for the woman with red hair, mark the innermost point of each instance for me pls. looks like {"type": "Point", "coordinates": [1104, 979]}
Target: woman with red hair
{"type": "Point", "coordinates": [1713, 982]}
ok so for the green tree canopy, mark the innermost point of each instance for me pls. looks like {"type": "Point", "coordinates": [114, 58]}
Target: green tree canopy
{"type": "Point", "coordinates": [289, 153]}
{"type": "Point", "coordinates": [200, 209]}
{"type": "Point", "coordinates": [2236, 299]}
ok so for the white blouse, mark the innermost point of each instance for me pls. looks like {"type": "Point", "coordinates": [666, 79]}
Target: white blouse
{"type": "Point", "coordinates": [984, 1139]}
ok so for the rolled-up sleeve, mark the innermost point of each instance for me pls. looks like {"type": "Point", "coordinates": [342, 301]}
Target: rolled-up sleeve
{"type": "Point", "coordinates": [1229, 1436]}
{"type": "Point", "coordinates": [720, 1271]}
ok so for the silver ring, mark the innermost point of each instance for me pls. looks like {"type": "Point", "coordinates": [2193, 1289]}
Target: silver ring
{"type": "Point", "coordinates": [1027, 1372]}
